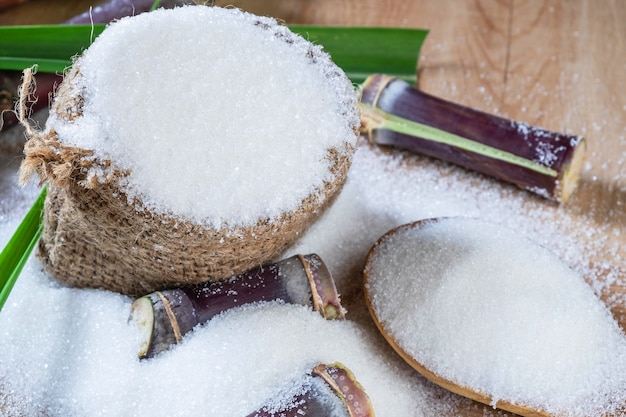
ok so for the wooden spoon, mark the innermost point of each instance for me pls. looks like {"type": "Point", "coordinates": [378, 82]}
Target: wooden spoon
{"type": "Point", "coordinates": [450, 385]}
{"type": "Point", "coordinates": [419, 367]}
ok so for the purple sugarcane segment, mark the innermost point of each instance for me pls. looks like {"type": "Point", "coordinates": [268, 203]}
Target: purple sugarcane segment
{"type": "Point", "coordinates": [116, 9]}
{"type": "Point", "coordinates": [329, 384]}
{"type": "Point", "coordinates": [313, 403]}
{"type": "Point", "coordinates": [47, 82]}
{"type": "Point", "coordinates": [560, 153]}
{"type": "Point", "coordinates": [164, 317]}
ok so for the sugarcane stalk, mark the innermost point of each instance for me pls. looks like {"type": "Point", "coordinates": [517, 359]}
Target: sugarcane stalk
{"type": "Point", "coordinates": [47, 82]}
{"type": "Point", "coordinates": [394, 113]}
{"type": "Point", "coordinates": [329, 382]}
{"type": "Point", "coordinates": [116, 9]}
{"type": "Point", "coordinates": [162, 318]}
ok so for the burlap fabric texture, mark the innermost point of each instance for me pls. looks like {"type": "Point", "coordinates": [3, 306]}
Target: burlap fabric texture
{"type": "Point", "coordinates": [94, 237]}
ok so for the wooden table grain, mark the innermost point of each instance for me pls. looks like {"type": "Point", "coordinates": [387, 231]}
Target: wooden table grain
{"type": "Point", "coordinates": [556, 64]}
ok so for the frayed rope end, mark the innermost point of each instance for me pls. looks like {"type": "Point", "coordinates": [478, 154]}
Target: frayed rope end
{"type": "Point", "coordinates": [25, 96]}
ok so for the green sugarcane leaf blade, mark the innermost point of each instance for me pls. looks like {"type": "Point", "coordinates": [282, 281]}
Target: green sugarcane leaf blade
{"type": "Point", "coordinates": [42, 64]}
{"type": "Point", "coordinates": [46, 42]}
{"type": "Point", "coordinates": [362, 51]}
{"type": "Point", "coordinates": [359, 51]}
{"type": "Point", "coordinates": [15, 254]}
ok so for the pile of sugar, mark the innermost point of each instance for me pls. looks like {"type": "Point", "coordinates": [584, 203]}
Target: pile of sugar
{"type": "Point", "coordinates": [221, 115]}
{"type": "Point", "coordinates": [75, 355]}
{"type": "Point", "coordinates": [501, 315]}
{"type": "Point", "coordinates": [383, 190]}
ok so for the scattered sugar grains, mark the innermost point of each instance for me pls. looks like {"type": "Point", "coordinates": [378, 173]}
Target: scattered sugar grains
{"type": "Point", "coordinates": [231, 118]}
{"type": "Point", "coordinates": [488, 310]}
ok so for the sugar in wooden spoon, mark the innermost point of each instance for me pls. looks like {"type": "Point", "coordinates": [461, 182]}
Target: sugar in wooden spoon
{"type": "Point", "coordinates": [497, 318]}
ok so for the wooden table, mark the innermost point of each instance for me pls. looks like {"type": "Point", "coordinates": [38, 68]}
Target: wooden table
{"type": "Point", "coordinates": [556, 64]}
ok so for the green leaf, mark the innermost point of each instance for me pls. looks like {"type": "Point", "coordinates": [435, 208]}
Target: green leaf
{"type": "Point", "coordinates": [362, 51]}
{"type": "Point", "coordinates": [155, 5]}
{"type": "Point", "coordinates": [359, 51]}
{"type": "Point", "coordinates": [51, 47]}
{"type": "Point", "coordinates": [15, 254]}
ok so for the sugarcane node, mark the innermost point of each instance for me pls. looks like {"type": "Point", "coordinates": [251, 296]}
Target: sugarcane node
{"type": "Point", "coordinates": [345, 385]}
{"type": "Point", "coordinates": [370, 92]}
{"type": "Point", "coordinates": [370, 120]}
{"type": "Point", "coordinates": [325, 298]}
{"type": "Point", "coordinates": [396, 114]}
{"type": "Point", "coordinates": [373, 87]}
{"type": "Point", "coordinates": [167, 307]}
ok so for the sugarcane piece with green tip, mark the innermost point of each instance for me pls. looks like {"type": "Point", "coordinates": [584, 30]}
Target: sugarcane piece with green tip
{"type": "Point", "coordinates": [162, 318]}
{"type": "Point", "coordinates": [397, 114]}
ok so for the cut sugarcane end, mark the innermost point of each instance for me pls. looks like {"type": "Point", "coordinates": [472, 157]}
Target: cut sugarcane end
{"type": "Point", "coordinates": [142, 317]}
{"type": "Point", "coordinates": [571, 173]}
{"type": "Point", "coordinates": [164, 330]}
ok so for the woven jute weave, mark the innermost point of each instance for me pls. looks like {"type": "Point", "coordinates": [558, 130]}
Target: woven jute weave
{"type": "Point", "coordinates": [94, 237]}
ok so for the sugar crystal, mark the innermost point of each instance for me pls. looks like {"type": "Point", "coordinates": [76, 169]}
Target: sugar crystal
{"type": "Point", "coordinates": [221, 116]}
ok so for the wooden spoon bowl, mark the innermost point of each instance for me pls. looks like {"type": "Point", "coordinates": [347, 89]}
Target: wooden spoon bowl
{"type": "Point", "coordinates": [448, 384]}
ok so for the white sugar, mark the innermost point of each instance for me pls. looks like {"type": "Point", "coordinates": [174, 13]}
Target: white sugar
{"type": "Point", "coordinates": [222, 116]}
{"type": "Point", "coordinates": [42, 322]}
{"type": "Point", "coordinates": [75, 355]}
{"type": "Point", "coordinates": [489, 310]}
{"type": "Point", "coordinates": [383, 190]}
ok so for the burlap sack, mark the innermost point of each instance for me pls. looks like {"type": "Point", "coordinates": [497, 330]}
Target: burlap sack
{"type": "Point", "coordinates": [94, 237]}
